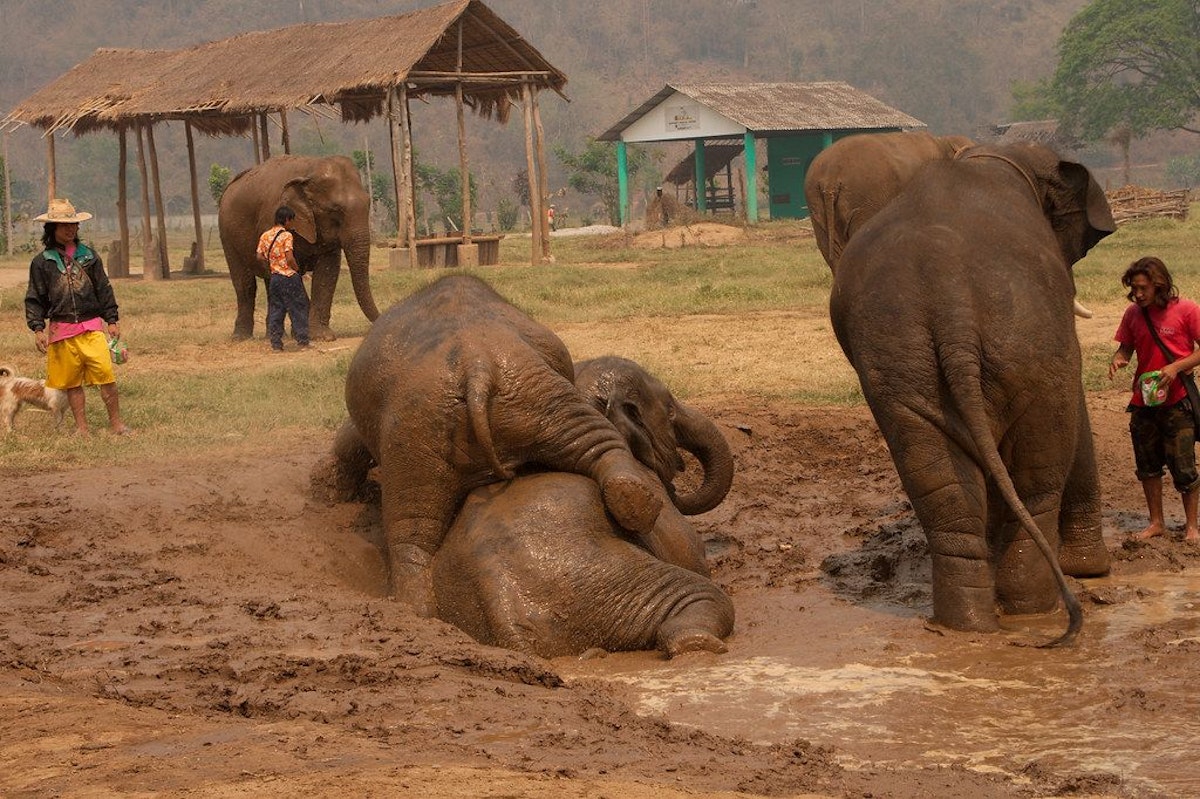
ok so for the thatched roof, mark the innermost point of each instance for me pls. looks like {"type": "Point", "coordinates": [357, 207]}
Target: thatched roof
{"type": "Point", "coordinates": [349, 65]}
{"type": "Point", "coordinates": [766, 108]}
{"type": "Point", "coordinates": [1042, 131]}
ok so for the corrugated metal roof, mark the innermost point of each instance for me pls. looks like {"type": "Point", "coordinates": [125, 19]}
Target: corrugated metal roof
{"type": "Point", "coordinates": [781, 107]}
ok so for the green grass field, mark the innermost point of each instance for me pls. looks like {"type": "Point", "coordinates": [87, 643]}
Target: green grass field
{"type": "Point", "coordinates": [747, 320]}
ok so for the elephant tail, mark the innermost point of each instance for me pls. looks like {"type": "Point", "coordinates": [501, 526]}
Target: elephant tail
{"type": "Point", "coordinates": [993, 464]}
{"type": "Point", "coordinates": [478, 394]}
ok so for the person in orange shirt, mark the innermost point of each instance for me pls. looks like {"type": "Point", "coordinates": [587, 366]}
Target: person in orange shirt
{"type": "Point", "coordinates": [285, 290]}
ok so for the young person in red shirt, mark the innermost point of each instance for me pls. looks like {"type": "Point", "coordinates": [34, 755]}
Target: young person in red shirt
{"type": "Point", "coordinates": [1163, 434]}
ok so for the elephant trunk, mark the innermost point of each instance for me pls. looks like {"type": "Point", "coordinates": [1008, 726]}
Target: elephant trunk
{"type": "Point", "coordinates": [358, 260]}
{"type": "Point", "coordinates": [698, 435]}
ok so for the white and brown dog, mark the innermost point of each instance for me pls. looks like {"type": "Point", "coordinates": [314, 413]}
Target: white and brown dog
{"type": "Point", "coordinates": [16, 392]}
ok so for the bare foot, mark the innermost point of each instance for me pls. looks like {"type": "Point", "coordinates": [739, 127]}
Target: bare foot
{"type": "Point", "coordinates": [1193, 536]}
{"type": "Point", "coordinates": [123, 430]}
{"type": "Point", "coordinates": [1152, 530]}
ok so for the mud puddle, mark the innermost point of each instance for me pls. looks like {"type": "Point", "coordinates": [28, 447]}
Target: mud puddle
{"type": "Point", "coordinates": [1121, 702]}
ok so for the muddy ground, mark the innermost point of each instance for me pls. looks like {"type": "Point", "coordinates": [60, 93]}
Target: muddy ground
{"type": "Point", "coordinates": [200, 628]}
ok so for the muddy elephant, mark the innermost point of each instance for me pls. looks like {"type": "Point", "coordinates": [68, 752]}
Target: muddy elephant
{"type": "Point", "coordinates": [536, 565]}
{"type": "Point", "coordinates": [854, 178]}
{"type": "Point", "coordinates": [950, 303]}
{"type": "Point", "coordinates": [657, 426]}
{"type": "Point", "coordinates": [332, 217]}
{"type": "Point", "coordinates": [455, 388]}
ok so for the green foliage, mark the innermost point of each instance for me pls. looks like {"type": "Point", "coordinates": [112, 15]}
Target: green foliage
{"type": "Point", "coordinates": [1033, 101]}
{"type": "Point", "coordinates": [506, 214]}
{"type": "Point", "coordinates": [1184, 171]}
{"type": "Point", "coordinates": [383, 194]}
{"type": "Point", "coordinates": [1131, 67]}
{"type": "Point", "coordinates": [446, 188]}
{"type": "Point", "coordinates": [593, 170]}
{"type": "Point", "coordinates": [218, 178]}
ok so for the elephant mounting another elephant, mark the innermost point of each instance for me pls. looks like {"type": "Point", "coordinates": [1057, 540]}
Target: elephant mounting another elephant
{"type": "Point", "coordinates": [332, 217]}
{"type": "Point", "coordinates": [455, 394]}
{"type": "Point", "coordinates": [951, 304]}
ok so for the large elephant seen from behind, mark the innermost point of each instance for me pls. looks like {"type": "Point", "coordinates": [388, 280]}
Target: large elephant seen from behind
{"type": "Point", "coordinates": [952, 304]}
{"type": "Point", "coordinates": [332, 217]}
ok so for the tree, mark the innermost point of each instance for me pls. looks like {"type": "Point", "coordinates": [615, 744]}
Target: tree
{"type": "Point", "coordinates": [218, 178]}
{"type": "Point", "coordinates": [1128, 67]}
{"type": "Point", "coordinates": [594, 171]}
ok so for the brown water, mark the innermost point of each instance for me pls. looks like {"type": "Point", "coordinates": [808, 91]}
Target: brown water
{"type": "Point", "coordinates": [1122, 701]}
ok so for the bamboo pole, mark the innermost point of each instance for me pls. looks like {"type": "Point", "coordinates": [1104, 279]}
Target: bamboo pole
{"type": "Point", "coordinates": [397, 181]}
{"type": "Point", "coordinates": [283, 134]}
{"type": "Point", "coordinates": [160, 213]}
{"type": "Point", "coordinates": [198, 266]}
{"type": "Point", "coordinates": [123, 196]}
{"type": "Point", "coordinates": [543, 190]}
{"type": "Point", "coordinates": [462, 145]}
{"type": "Point", "coordinates": [535, 203]}
{"type": "Point", "coordinates": [148, 270]}
{"type": "Point", "coordinates": [254, 137]}
{"type": "Point", "coordinates": [51, 171]}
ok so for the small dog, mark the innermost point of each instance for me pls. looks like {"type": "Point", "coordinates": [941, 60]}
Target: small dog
{"type": "Point", "coordinates": [16, 392]}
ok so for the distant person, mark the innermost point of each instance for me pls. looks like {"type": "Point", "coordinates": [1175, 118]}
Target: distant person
{"type": "Point", "coordinates": [1162, 429]}
{"type": "Point", "coordinates": [285, 288]}
{"type": "Point", "coordinates": [67, 306]}
{"type": "Point", "coordinates": [550, 216]}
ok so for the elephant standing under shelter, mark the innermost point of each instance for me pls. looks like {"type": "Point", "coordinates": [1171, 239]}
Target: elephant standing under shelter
{"type": "Point", "coordinates": [332, 216]}
{"type": "Point", "coordinates": [453, 389]}
{"type": "Point", "coordinates": [951, 304]}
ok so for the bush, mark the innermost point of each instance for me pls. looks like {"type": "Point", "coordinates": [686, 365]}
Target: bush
{"type": "Point", "coordinates": [506, 214]}
{"type": "Point", "coordinates": [1184, 171]}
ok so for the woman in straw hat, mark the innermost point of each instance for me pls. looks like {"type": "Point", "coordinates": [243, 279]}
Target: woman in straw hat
{"type": "Point", "coordinates": [69, 290]}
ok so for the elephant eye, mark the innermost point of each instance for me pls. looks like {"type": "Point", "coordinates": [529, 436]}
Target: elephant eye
{"type": "Point", "coordinates": [632, 411]}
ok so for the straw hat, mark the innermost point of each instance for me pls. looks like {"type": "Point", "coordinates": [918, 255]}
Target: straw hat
{"type": "Point", "coordinates": [62, 211]}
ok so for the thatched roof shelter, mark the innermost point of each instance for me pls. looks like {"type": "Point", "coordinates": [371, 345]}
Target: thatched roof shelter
{"type": "Point", "coordinates": [219, 85]}
{"type": "Point", "coordinates": [357, 70]}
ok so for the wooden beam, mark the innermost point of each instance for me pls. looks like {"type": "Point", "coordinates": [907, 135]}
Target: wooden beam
{"type": "Point", "coordinates": [535, 203]}
{"type": "Point", "coordinates": [266, 136]}
{"type": "Point", "coordinates": [197, 226]}
{"type": "Point", "coordinates": [148, 270]}
{"type": "Point", "coordinates": [463, 167]}
{"type": "Point", "coordinates": [8, 227]}
{"type": "Point", "coordinates": [284, 135]}
{"type": "Point", "coordinates": [123, 196]}
{"type": "Point", "coordinates": [51, 171]}
{"type": "Point", "coordinates": [543, 189]}
{"type": "Point", "coordinates": [406, 169]}
{"type": "Point", "coordinates": [160, 212]}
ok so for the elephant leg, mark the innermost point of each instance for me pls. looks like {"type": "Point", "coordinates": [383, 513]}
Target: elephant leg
{"type": "Point", "coordinates": [245, 287]}
{"type": "Point", "coordinates": [1083, 552]}
{"type": "Point", "coordinates": [1024, 581]}
{"type": "Point", "coordinates": [324, 283]}
{"type": "Point", "coordinates": [340, 476]}
{"type": "Point", "coordinates": [673, 540]}
{"type": "Point", "coordinates": [949, 496]}
{"type": "Point", "coordinates": [698, 626]}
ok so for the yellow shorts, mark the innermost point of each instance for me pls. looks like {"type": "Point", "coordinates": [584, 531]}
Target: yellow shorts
{"type": "Point", "coordinates": [79, 360]}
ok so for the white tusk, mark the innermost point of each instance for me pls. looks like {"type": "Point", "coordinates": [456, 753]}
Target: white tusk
{"type": "Point", "coordinates": [1080, 310]}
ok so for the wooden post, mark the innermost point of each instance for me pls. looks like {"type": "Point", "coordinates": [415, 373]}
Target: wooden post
{"type": "Point", "coordinates": [51, 172]}
{"type": "Point", "coordinates": [283, 134]}
{"type": "Point", "coordinates": [406, 167]}
{"type": "Point", "coordinates": [254, 136]}
{"type": "Point", "coordinates": [266, 137]}
{"type": "Point", "coordinates": [462, 143]}
{"type": "Point", "coordinates": [123, 197]}
{"type": "Point", "coordinates": [164, 264]}
{"type": "Point", "coordinates": [148, 270]}
{"type": "Point", "coordinates": [397, 181]}
{"type": "Point", "coordinates": [543, 190]}
{"type": "Point", "coordinates": [198, 266]}
{"type": "Point", "coordinates": [535, 201]}
{"type": "Point", "coordinates": [8, 226]}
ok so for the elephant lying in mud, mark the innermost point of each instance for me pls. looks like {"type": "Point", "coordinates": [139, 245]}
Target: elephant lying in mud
{"type": "Point", "coordinates": [536, 565]}
{"type": "Point", "coordinates": [950, 303]}
{"type": "Point", "coordinates": [453, 389]}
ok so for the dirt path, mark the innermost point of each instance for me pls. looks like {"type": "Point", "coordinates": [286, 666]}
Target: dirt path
{"type": "Point", "coordinates": [199, 628]}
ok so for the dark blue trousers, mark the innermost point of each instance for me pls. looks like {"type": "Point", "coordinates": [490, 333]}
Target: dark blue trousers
{"type": "Point", "coordinates": [286, 295]}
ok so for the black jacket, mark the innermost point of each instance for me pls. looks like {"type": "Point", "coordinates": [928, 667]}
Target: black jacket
{"type": "Point", "coordinates": [59, 294]}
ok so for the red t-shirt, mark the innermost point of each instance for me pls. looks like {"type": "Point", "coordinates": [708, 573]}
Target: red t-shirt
{"type": "Point", "coordinates": [1178, 326]}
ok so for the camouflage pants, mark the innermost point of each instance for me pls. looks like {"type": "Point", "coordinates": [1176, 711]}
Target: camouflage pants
{"type": "Point", "coordinates": [1165, 436]}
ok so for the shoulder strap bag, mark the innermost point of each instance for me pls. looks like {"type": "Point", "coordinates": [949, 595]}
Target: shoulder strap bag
{"type": "Point", "coordinates": [1187, 378]}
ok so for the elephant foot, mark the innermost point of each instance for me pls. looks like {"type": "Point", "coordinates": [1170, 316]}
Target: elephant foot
{"type": "Point", "coordinates": [1084, 561]}
{"type": "Point", "coordinates": [695, 641]}
{"type": "Point", "coordinates": [411, 580]}
{"type": "Point", "coordinates": [632, 503]}
{"type": "Point", "coordinates": [965, 608]}
{"type": "Point", "coordinates": [242, 335]}
{"type": "Point", "coordinates": [320, 333]}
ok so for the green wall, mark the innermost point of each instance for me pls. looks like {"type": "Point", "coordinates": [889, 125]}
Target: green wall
{"type": "Point", "coordinates": [788, 159]}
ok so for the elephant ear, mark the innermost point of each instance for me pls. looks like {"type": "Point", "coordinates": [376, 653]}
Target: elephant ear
{"type": "Point", "coordinates": [295, 197]}
{"type": "Point", "coordinates": [1079, 214]}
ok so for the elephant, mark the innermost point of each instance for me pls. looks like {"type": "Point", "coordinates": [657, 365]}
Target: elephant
{"type": "Point", "coordinates": [656, 426]}
{"type": "Point", "coordinates": [454, 388]}
{"type": "Point", "coordinates": [536, 565]}
{"type": "Point", "coordinates": [950, 305]}
{"type": "Point", "coordinates": [854, 178]}
{"type": "Point", "coordinates": [332, 216]}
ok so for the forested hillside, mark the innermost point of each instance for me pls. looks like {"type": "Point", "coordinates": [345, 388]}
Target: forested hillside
{"type": "Point", "coordinates": [950, 63]}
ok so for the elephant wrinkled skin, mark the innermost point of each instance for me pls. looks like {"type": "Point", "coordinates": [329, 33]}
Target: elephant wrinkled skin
{"type": "Point", "coordinates": [452, 389]}
{"type": "Point", "coordinates": [332, 216]}
{"type": "Point", "coordinates": [536, 565]}
{"type": "Point", "coordinates": [951, 304]}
